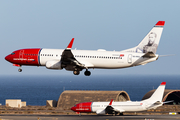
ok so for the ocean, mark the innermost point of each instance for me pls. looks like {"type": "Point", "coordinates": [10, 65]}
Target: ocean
{"type": "Point", "coordinates": [35, 90]}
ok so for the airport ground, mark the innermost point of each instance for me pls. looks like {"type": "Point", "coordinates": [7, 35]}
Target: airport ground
{"type": "Point", "coordinates": [44, 110]}
{"type": "Point", "coordinates": [55, 113]}
{"type": "Point", "coordinates": [89, 117]}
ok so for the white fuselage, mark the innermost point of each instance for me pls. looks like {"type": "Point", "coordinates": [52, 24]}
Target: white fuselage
{"type": "Point", "coordinates": [98, 59]}
{"type": "Point", "coordinates": [127, 106]}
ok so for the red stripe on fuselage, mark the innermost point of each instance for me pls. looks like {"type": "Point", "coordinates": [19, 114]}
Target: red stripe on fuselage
{"type": "Point", "coordinates": [24, 57]}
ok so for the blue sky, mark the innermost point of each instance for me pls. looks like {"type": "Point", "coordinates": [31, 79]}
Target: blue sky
{"type": "Point", "coordinates": [95, 24]}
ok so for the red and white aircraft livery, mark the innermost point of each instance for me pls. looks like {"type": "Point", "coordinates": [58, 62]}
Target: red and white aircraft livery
{"type": "Point", "coordinates": [102, 108]}
{"type": "Point", "coordinates": [77, 60]}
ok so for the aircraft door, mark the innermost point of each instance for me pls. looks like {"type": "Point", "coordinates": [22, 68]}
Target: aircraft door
{"type": "Point", "coordinates": [81, 107]}
{"type": "Point", "coordinates": [21, 53]}
{"type": "Point", "coordinates": [130, 58]}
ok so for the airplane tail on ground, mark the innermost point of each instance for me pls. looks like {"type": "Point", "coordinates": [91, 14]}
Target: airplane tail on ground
{"type": "Point", "coordinates": [157, 96]}
{"type": "Point", "coordinates": [151, 40]}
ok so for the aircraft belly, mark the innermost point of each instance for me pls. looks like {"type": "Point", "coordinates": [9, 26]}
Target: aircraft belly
{"type": "Point", "coordinates": [109, 64]}
{"type": "Point", "coordinates": [133, 108]}
{"type": "Point", "coordinates": [43, 60]}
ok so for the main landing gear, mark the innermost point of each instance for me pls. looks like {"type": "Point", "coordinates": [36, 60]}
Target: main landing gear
{"type": "Point", "coordinates": [76, 72]}
{"type": "Point", "coordinates": [86, 73]}
{"type": "Point", "coordinates": [116, 113]}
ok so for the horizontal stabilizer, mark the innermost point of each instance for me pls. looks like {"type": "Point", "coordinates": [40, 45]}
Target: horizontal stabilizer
{"type": "Point", "coordinates": [168, 101]}
{"type": "Point", "coordinates": [157, 103]}
{"type": "Point", "coordinates": [149, 55]}
{"type": "Point", "coordinates": [166, 55]}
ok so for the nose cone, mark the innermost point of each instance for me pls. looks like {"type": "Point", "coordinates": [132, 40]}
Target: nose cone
{"type": "Point", "coordinates": [73, 108]}
{"type": "Point", "coordinates": [7, 58]}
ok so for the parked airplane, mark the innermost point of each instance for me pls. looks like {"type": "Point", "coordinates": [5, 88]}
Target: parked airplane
{"type": "Point", "coordinates": [111, 107]}
{"type": "Point", "coordinates": [77, 60]}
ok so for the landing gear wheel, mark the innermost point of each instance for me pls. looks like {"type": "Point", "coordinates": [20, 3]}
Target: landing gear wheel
{"type": "Point", "coordinates": [76, 72]}
{"type": "Point", "coordinates": [120, 114]}
{"type": "Point", "coordinates": [20, 70]}
{"type": "Point", "coordinates": [87, 73]}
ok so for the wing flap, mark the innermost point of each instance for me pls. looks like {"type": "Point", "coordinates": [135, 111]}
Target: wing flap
{"type": "Point", "coordinates": [86, 64]}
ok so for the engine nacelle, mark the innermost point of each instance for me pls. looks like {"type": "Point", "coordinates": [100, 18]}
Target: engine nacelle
{"type": "Point", "coordinates": [53, 65]}
{"type": "Point", "coordinates": [100, 112]}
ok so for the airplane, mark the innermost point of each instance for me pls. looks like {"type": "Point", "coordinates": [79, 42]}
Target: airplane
{"type": "Point", "coordinates": [102, 108]}
{"type": "Point", "coordinates": [77, 60]}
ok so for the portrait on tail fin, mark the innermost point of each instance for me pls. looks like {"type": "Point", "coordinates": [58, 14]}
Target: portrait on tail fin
{"type": "Point", "coordinates": [150, 46]}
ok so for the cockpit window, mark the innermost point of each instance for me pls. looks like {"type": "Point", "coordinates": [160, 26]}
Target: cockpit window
{"type": "Point", "coordinates": [12, 53]}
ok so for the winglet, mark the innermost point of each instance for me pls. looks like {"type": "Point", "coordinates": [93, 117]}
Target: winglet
{"type": "Point", "coordinates": [111, 102]}
{"type": "Point", "coordinates": [70, 44]}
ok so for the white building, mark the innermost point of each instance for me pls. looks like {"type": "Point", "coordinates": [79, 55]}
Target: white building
{"type": "Point", "coordinates": [15, 103]}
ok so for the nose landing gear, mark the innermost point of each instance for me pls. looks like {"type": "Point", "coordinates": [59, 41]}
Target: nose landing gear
{"type": "Point", "coordinates": [20, 69]}
{"type": "Point", "coordinates": [17, 65]}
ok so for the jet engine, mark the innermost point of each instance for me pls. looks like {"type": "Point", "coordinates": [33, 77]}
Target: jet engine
{"type": "Point", "coordinates": [53, 65]}
{"type": "Point", "coordinates": [100, 112]}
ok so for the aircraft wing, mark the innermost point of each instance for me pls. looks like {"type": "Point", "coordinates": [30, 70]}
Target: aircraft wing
{"type": "Point", "coordinates": [68, 58]}
{"type": "Point", "coordinates": [110, 109]}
